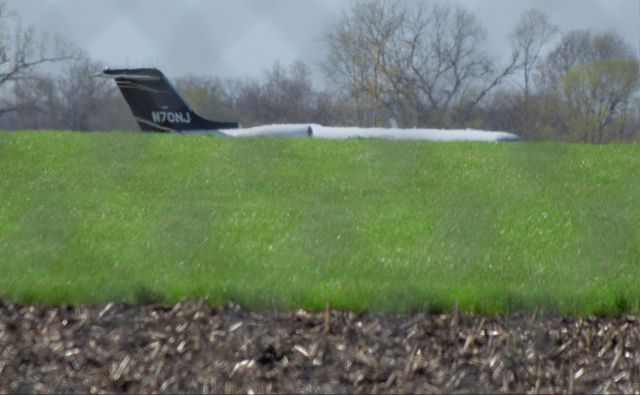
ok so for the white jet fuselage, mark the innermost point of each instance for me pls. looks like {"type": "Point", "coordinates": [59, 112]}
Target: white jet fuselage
{"type": "Point", "coordinates": [328, 132]}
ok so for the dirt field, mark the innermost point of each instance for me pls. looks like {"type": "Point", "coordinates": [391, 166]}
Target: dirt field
{"type": "Point", "coordinates": [196, 348]}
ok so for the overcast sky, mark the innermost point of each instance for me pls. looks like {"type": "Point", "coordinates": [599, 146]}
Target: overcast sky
{"type": "Point", "coordinates": [242, 38]}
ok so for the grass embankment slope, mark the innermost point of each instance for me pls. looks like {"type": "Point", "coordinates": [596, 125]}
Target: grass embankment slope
{"type": "Point", "coordinates": [362, 224]}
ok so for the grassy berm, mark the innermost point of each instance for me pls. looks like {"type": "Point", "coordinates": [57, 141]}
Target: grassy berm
{"type": "Point", "coordinates": [360, 224]}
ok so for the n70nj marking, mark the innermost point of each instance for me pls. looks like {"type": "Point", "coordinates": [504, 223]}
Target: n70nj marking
{"type": "Point", "coordinates": [170, 116]}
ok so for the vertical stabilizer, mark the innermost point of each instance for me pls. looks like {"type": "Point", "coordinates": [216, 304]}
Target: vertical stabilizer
{"type": "Point", "coordinates": [157, 106]}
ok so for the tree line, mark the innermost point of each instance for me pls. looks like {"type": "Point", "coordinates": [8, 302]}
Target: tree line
{"type": "Point", "coordinates": [387, 63]}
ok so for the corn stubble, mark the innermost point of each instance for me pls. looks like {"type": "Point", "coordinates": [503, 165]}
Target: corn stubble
{"type": "Point", "coordinates": [192, 347]}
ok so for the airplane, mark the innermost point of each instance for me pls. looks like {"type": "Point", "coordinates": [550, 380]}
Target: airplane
{"type": "Point", "coordinates": [158, 107]}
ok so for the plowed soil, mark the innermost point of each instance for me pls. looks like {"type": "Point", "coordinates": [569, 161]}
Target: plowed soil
{"type": "Point", "coordinates": [195, 348]}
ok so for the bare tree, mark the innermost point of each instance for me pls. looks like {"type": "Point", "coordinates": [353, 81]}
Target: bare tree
{"type": "Point", "coordinates": [591, 78]}
{"type": "Point", "coordinates": [428, 60]}
{"type": "Point", "coordinates": [580, 47]}
{"type": "Point", "coordinates": [22, 50]}
{"type": "Point", "coordinates": [84, 98]}
{"type": "Point", "coordinates": [524, 108]}
{"type": "Point", "coordinates": [533, 32]}
{"type": "Point", "coordinates": [288, 94]}
{"type": "Point", "coordinates": [284, 95]}
{"type": "Point", "coordinates": [358, 47]}
{"type": "Point", "coordinates": [458, 73]}
{"type": "Point", "coordinates": [37, 105]}
{"type": "Point", "coordinates": [70, 99]}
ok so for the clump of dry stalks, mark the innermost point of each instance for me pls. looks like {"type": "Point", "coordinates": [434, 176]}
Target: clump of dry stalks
{"type": "Point", "coordinates": [192, 347]}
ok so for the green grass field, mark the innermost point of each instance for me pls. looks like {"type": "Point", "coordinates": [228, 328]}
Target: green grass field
{"type": "Point", "coordinates": [286, 223]}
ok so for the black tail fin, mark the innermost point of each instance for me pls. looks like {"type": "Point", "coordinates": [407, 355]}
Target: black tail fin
{"type": "Point", "coordinates": [157, 106]}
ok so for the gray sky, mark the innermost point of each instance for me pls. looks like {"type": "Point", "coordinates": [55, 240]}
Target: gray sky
{"type": "Point", "coordinates": [241, 38]}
